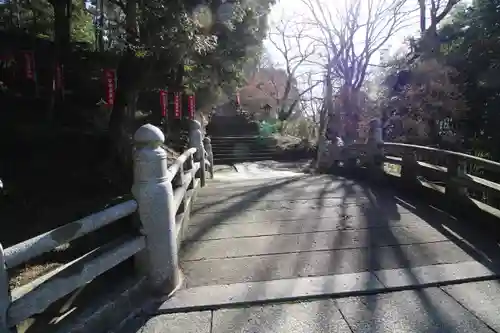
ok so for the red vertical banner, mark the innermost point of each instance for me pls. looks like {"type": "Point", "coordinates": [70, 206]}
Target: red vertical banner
{"type": "Point", "coordinates": [59, 84]}
{"type": "Point", "coordinates": [163, 102]}
{"type": "Point", "coordinates": [237, 98]}
{"type": "Point", "coordinates": [177, 105]}
{"type": "Point", "coordinates": [109, 78]}
{"type": "Point", "coordinates": [191, 106]}
{"type": "Point", "coordinates": [29, 65]}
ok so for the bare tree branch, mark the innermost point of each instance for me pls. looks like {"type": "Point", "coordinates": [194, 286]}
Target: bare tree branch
{"type": "Point", "coordinates": [288, 38]}
{"type": "Point", "coordinates": [353, 34]}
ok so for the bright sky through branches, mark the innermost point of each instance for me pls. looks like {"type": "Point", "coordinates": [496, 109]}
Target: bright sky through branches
{"type": "Point", "coordinates": [296, 9]}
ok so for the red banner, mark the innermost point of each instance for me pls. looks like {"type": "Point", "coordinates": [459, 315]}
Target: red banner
{"type": "Point", "coordinates": [191, 106]}
{"type": "Point", "coordinates": [177, 105]}
{"type": "Point", "coordinates": [109, 77]}
{"type": "Point", "coordinates": [29, 65]}
{"type": "Point", "coordinates": [163, 102]}
{"type": "Point", "coordinates": [58, 84]}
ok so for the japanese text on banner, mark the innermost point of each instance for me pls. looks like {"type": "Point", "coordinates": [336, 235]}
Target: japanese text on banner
{"type": "Point", "coordinates": [191, 106]}
{"type": "Point", "coordinates": [177, 106]}
{"type": "Point", "coordinates": [163, 102]}
{"type": "Point", "coordinates": [109, 75]}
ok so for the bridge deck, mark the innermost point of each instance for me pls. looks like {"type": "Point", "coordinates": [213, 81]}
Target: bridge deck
{"type": "Point", "coordinates": [317, 225]}
{"type": "Point", "coordinates": [377, 260]}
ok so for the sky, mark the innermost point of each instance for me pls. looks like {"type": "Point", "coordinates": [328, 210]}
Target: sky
{"type": "Point", "coordinates": [293, 8]}
{"type": "Point", "coordinates": [296, 10]}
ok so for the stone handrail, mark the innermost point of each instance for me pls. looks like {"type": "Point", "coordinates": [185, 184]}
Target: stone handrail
{"type": "Point", "coordinates": [162, 200]}
{"type": "Point", "coordinates": [209, 155]}
{"type": "Point", "coordinates": [450, 171]}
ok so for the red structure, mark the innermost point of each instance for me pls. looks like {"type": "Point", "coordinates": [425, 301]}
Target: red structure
{"type": "Point", "coordinates": [191, 106]}
{"type": "Point", "coordinates": [163, 102]}
{"type": "Point", "coordinates": [109, 77]}
{"type": "Point", "coordinates": [59, 79]}
{"type": "Point", "coordinates": [177, 105]}
{"type": "Point", "coordinates": [29, 65]}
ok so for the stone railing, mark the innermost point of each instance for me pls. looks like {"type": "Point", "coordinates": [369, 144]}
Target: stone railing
{"type": "Point", "coordinates": [462, 178]}
{"type": "Point", "coordinates": [162, 200]}
{"type": "Point", "coordinates": [466, 181]}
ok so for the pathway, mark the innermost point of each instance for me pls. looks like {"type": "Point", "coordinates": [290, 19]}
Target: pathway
{"type": "Point", "coordinates": [268, 235]}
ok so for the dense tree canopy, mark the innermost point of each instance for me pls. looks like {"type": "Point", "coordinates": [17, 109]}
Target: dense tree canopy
{"type": "Point", "coordinates": [450, 96]}
{"type": "Point", "coordinates": [474, 50]}
{"type": "Point", "coordinates": [192, 46]}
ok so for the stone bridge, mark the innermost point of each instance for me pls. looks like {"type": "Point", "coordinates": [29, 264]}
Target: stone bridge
{"type": "Point", "coordinates": [396, 238]}
{"type": "Point", "coordinates": [269, 249]}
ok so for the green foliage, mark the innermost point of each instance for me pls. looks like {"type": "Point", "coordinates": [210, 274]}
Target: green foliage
{"type": "Point", "coordinates": [455, 96]}
{"type": "Point", "coordinates": [474, 49]}
{"type": "Point", "coordinates": [303, 128]}
{"type": "Point", "coordinates": [201, 47]}
{"type": "Point", "coordinates": [82, 27]}
{"type": "Point", "coordinates": [238, 42]}
{"type": "Point", "coordinates": [37, 18]}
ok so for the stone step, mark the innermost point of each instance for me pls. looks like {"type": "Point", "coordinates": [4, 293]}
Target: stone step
{"type": "Point", "coordinates": [308, 242]}
{"type": "Point", "coordinates": [470, 307]}
{"type": "Point", "coordinates": [305, 225]}
{"type": "Point", "coordinates": [339, 285]}
{"type": "Point", "coordinates": [317, 263]}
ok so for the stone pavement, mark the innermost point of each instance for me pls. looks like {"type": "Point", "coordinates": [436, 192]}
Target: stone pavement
{"type": "Point", "coordinates": [265, 236]}
{"type": "Point", "coordinates": [469, 307]}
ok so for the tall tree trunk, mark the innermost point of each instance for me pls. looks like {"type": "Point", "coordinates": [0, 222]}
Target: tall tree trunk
{"type": "Point", "coordinates": [430, 44]}
{"type": "Point", "coordinates": [122, 116]}
{"type": "Point", "coordinates": [323, 119]}
{"type": "Point", "coordinates": [62, 39]}
{"type": "Point", "coordinates": [15, 20]}
{"type": "Point", "coordinates": [62, 24]}
{"type": "Point", "coordinates": [100, 26]}
{"type": "Point", "coordinates": [422, 6]}
{"type": "Point", "coordinates": [328, 120]}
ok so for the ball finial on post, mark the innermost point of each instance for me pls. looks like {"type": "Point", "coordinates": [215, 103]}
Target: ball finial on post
{"type": "Point", "coordinates": [195, 125]}
{"type": "Point", "coordinates": [207, 143]}
{"type": "Point", "coordinates": [154, 194]}
{"type": "Point", "coordinates": [149, 134]}
{"type": "Point", "coordinates": [196, 141]}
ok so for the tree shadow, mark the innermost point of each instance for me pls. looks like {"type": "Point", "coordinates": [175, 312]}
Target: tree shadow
{"type": "Point", "coordinates": [382, 207]}
{"type": "Point", "coordinates": [240, 320]}
{"type": "Point", "coordinates": [249, 199]}
{"type": "Point", "coordinates": [475, 239]}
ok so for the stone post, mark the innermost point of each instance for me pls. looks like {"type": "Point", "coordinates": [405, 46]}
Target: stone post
{"type": "Point", "coordinates": [455, 192]}
{"type": "Point", "coordinates": [154, 194]}
{"type": "Point", "coordinates": [409, 169]}
{"type": "Point", "coordinates": [196, 141]}
{"type": "Point", "coordinates": [375, 150]}
{"type": "Point", "coordinates": [208, 148]}
{"type": "Point", "coordinates": [4, 294]}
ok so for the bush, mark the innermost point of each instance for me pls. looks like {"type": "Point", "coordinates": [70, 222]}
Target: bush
{"type": "Point", "coordinates": [301, 128]}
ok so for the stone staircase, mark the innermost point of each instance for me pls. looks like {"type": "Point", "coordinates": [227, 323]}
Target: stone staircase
{"type": "Point", "coordinates": [237, 149]}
